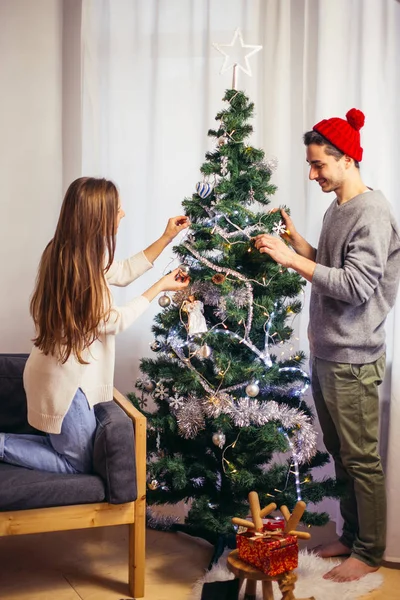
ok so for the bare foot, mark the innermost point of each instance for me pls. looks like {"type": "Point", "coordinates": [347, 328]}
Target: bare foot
{"type": "Point", "coordinates": [333, 549]}
{"type": "Point", "coordinates": [349, 570]}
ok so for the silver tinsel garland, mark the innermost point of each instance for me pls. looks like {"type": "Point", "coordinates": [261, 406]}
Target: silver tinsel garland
{"type": "Point", "coordinates": [190, 418]}
{"type": "Point", "coordinates": [245, 412]}
{"type": "Point", "coordinates": [160, 522]}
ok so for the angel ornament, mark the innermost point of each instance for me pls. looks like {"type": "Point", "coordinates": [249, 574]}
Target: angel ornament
{"type": "Point", "coordinates": [196, 321]}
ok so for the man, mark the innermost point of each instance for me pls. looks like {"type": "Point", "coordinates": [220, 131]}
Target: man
{"type": "Point", "coordinates": [354, 275]}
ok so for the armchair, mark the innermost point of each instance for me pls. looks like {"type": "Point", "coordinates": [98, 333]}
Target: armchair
{"type": "Point", "coordinates": [34, 501]}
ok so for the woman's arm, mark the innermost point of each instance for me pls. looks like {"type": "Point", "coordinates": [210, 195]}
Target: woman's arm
{"type": "Point", "coordinates": [174, 226]}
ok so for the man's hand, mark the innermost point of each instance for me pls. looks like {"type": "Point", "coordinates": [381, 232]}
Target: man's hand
{"type": "Point", "coordinates": [275, 248]}
{"type": "Point", "coordinates": [174, 226]}
{"type": "Point", "coordinates": [291, 232]}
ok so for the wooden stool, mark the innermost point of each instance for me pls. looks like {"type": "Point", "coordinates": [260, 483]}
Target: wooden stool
{"type": "Point", "coordinates": [244, 571]}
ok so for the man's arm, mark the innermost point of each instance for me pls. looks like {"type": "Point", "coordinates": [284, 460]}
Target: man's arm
{"type": "Point", "coordinates": [363, 265]}
{"type": "Point", "coordinates": [303, 248]}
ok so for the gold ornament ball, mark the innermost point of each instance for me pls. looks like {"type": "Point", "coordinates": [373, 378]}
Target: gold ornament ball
{"type": "Point", "coordinates": [252, 390]}
{"type": "Point", "coordinates": [153, 484]}
{"type": "Point", "coordinates": [205, 351]}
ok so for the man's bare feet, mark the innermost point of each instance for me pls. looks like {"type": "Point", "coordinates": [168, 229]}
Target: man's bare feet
{"type": "Point", "coordinates": [349, 570]}
{"type": "Point", "coordinates": [333, 549]}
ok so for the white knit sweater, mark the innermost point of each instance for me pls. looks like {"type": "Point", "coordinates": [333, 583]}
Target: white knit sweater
{"type": "Point", "coordinates": [51, 386]}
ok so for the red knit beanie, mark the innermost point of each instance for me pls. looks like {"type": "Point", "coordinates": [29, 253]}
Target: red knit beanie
{"type": "Point", "coordinates": [345, 135]}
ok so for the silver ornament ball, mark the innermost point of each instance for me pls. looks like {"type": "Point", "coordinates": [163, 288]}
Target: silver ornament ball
{"type": "Point", "coordinates": [219, 439]}
{"type": "Point", "coordinates": [205, 351]}
{"type": "Point", "coordinates": [155, 346]}
{"type": "Point", "coordinates": [164, 301]}
{"type": "Point", "coordinates": [185, 269]}
{"type": "Point", "coordinates": [252, 390]}
{"type": "Point", "coordinates": [149, 386]}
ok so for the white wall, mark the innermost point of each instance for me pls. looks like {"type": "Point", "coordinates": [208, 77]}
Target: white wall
{"type": "Point", "coordinates": [31, 157]}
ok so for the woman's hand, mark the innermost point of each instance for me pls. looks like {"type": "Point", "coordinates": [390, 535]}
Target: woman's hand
{"type": "Point", "coordinates": [174, 226]}
{"type": "Point", "coordinates": [172, 282]}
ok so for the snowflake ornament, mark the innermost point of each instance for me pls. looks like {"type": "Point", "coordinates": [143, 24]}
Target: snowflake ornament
{"type": "Point", "coordinates": [279, 228]}
{"type": "Point", "coordinates": [161, 391]}
{"type": "Point", "coordinates": [176, 402]}
{"type": "Point", "coordinates": [142, 402]}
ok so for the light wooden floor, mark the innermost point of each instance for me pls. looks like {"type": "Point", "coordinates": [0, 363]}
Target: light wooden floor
{"type": "Point", "coordinates": [91, 565]}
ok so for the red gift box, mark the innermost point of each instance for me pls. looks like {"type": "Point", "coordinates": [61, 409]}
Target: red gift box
{"type": "Point", "coordinates": [272, 553]}
{"type": "Point", "coordinates": [274, 524]}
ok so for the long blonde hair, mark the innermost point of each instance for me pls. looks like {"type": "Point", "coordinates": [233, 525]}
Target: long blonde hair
{"type": "Point", "coordinates": [71, 298]}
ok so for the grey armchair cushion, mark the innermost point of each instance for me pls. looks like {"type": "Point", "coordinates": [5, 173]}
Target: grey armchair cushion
{"type": "Point", "coordinates": [12, 395]}
{"type": "Point", "coordinates": [114, 453]}
{"type": "Point", "coordinates": [21, 488]}
{"type": "Point", "coordinates": [114, 478]}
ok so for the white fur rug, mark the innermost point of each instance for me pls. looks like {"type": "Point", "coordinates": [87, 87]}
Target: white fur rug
{"type": "Point", "coordinates": [309, 583]}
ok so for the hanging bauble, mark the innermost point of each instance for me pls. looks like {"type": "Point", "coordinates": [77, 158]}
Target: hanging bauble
{"type": "Point", "coordinates": [204, 189]}
{"type": "Point", "coordinates": [183, 273]}
{"type": "Point", "coordinates": [252, 390]}
{"type": "Point", "coordinates": [155, 346]}
{"type": "Point", "coordinates": [184, 268]}
{"type": "Point", "coordinates": [164, 301]}
{"type": "Point", "coordinates": [149, 386]}
{"type": "Point", "coordinates": [219, 439]}
{"type": "Point", "coordinates": [153, 484]}
{"type": "Point", "coordinates": [205, 351]}
{"type": "Point", "coordinates": [223, 140]}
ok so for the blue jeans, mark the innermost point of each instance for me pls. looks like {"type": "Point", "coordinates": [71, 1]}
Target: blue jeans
{"type": "Point", "coordinates": [70, 451]}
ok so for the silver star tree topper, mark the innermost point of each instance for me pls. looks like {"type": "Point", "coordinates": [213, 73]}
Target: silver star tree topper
{"type": "Point", "coordinates": [237, 55]}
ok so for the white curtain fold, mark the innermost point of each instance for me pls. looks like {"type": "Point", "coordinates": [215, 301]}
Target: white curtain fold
{"type": "Point", "coordinates": [150, 91]}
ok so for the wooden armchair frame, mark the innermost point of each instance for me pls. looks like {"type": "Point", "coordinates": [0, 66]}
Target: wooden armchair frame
{"type": "Point", "coordinates": [101, 514]}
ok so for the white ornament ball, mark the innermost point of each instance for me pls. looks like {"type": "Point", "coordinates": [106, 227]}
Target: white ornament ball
{"type": "Point", "coordinates": [204, 189]}
{"type": "Point", "coordinates": [164, 301]}
{"type": "Point", "coordinates": [252, 390]}
{"type": "Point", "coordinates": [219, 439]}
{"type": "Point", "coordinates": [205, 351]}
{"type": "Point", "coordinates": [222, 141]}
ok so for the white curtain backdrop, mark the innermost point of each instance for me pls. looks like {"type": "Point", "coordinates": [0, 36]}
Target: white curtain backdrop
{"type": "Point", "coordinates": [150, 91]}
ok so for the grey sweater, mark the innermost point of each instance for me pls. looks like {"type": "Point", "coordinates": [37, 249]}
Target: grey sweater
{"type": "Point", "coordinates": [355, 282]}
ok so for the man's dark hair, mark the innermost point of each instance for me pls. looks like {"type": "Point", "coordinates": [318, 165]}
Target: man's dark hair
{"type": "Point", "coordinates": [313, 137]}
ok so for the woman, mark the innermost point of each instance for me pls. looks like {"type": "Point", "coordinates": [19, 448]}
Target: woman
{"type": "Point", "coordinates": [71, 366]}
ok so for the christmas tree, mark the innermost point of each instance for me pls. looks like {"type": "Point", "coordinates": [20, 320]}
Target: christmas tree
{"type": "Point", "coordinates": [227, 386]}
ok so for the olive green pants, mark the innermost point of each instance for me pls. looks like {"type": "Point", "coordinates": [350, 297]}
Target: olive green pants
{"type": "Point", "coordinates": [347, 404]}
